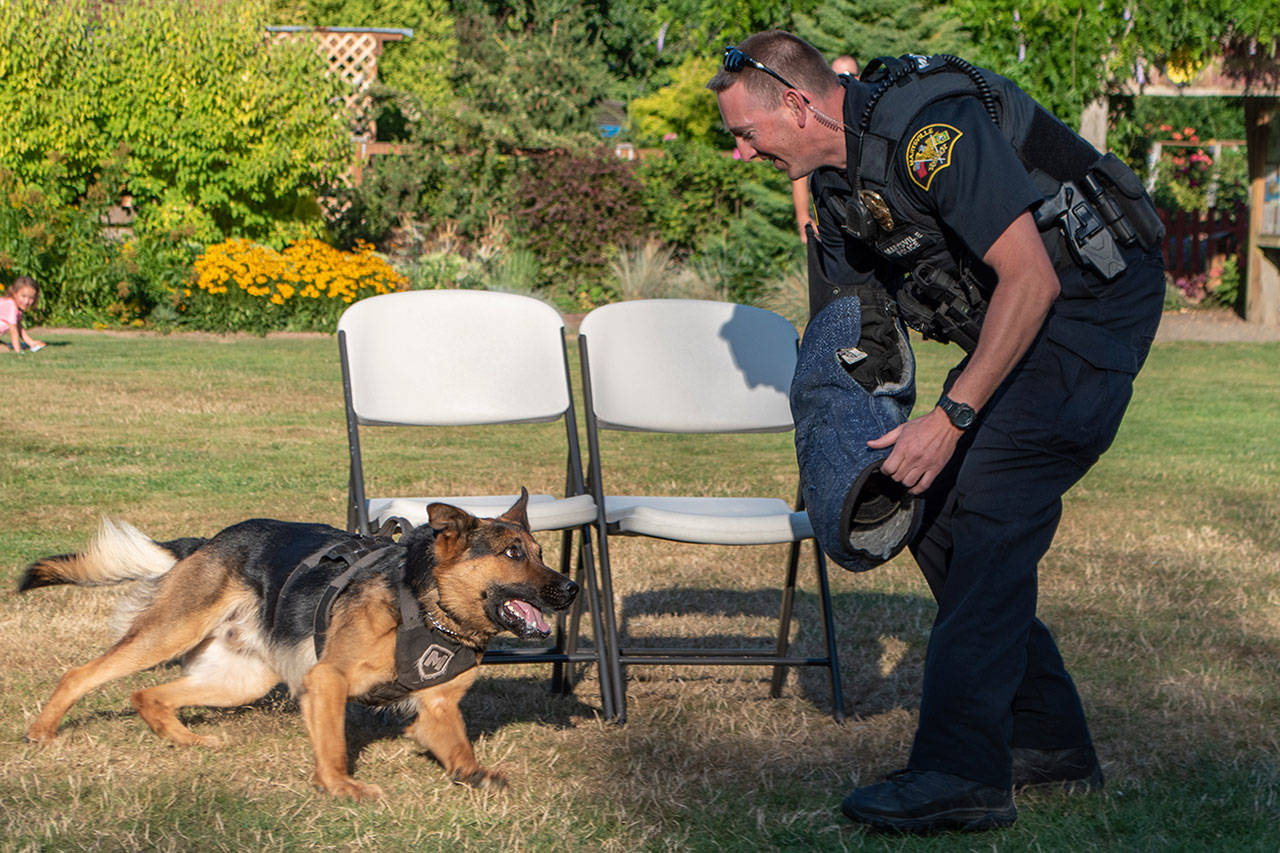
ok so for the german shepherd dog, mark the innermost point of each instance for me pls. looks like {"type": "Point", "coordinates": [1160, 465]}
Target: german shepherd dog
{"type": "Point", "coordinates": [239, 611]}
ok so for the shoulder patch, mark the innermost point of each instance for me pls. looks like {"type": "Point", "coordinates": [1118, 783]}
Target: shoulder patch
{"type": "Point", "coordinates": [929, 152]}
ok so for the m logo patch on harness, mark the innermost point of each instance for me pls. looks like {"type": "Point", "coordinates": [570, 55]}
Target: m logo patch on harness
{"type": "Point", "coordinates": [929, 152]}
{"type": "Point", "coordinates": [433, 663]}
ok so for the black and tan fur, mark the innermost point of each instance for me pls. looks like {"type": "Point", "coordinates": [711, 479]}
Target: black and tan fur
{"type": "Point", "coordinates": [212, 605]}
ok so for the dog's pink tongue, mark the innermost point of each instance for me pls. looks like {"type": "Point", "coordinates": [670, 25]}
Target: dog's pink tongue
{"type": "Point", "coordinates": [530, 614]}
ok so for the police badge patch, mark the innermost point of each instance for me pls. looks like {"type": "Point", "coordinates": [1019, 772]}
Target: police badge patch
{"type": "Point", "coordinates": [929, 152]}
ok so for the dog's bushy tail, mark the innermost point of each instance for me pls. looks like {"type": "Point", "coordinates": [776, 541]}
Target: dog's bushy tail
{"type": "Point", "coordinates": [119, 552]}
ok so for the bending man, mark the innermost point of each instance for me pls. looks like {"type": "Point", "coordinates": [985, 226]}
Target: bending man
{"type": "Point", "coordinates": [946, 193]}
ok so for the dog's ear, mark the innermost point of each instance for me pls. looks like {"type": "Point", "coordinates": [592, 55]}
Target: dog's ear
{"type": "Point", "coordinates": [518, 514]}
{"type": "Point", "coordinates": [452, 525]}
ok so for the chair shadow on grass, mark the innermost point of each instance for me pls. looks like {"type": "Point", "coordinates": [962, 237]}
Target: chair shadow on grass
{"type": "Point", "coordinates": [876, 678]}
{"type": "Point", "coordinates": [880, 639]}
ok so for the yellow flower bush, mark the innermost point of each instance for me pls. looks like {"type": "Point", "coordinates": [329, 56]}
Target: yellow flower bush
{"type": "Point", "coordinates": [244, 286]}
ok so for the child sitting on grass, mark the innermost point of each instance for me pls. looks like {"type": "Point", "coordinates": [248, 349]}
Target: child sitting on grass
{"type": "Point", "coordinates": [17, 300]}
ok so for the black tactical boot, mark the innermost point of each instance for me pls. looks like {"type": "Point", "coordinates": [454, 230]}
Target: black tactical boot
{"type": "Point", "coordinates": [1074, 770]}
{"type": "Point", "coordinates": [930, 801]}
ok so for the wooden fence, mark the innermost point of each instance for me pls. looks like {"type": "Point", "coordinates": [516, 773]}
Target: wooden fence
{"type": "Point", "coordinates": [1193, 238]}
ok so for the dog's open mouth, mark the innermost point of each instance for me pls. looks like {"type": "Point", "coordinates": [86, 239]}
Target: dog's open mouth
{"type": "Point", "coordinates": [523, 619]}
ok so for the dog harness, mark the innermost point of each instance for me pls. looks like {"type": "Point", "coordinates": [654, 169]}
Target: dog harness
{"type": "Point", "coordinates": [425, 656]}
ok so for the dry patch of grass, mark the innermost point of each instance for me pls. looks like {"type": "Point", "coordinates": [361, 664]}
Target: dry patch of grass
{"type": "Point", "coordinates": [1162, 588]}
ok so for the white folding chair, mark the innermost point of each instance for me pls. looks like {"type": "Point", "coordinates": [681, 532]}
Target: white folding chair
{"type": "Point", "coordinates": [691, 366]}
{"type": "Point", "coordinates": [436, 358]}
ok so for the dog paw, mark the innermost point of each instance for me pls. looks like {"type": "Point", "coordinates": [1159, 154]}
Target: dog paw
{"type": "Point", "coordinates": [349, 787]}
{"type": "Point", "coordinates": [480, 778]}
{"type": "Point", "coordinates": [206, 741]}
{"type": "Point", "coordinates": [40, 735]}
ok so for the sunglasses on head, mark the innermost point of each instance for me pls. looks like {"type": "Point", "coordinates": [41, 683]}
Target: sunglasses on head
{"type": "Point", "coordinates": [735, 60]}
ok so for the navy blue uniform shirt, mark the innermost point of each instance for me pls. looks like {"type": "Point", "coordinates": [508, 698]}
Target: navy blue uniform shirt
{"type": "Point", "coordinates": [955, 167]}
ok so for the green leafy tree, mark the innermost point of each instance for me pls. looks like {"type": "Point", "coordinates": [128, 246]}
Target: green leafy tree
{"type": "Point", "coordinates": [865, 29]}
{"type": "Point", "coordinates": [219, 129]}
{"type": "Point", "coordinates": [644, 44]}
{"type": "Point", "coordinates": [702, 27]}
{"type": "Point", "coordinates": [684, 107]}
{"type": "Point", "coordinates": [85, 275]}
{"type": "Point", "coordinates": [692, 193]}
{"type": "Point", "coordinates": [526, 82]}
{"type": "Point", "coordinates": [633, 44]}
{"type": "Point", "coordinates": [528, 74]}
{"type": "Point", "coordinates": [1068, 54]}
{"type": "Point", "coordinates": [1188, 33]}
{"type": "Point", "coordinates": [1062, 54]}
{"type": "Point", "coordinates": [47, 94]}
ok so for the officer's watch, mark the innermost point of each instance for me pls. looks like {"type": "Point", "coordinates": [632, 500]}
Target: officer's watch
{"type": "Point", "coordinates": [962, 415]}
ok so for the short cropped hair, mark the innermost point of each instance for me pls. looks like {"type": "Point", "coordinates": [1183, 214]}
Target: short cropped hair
{"type": "Point", "coordinates": [791, 56]}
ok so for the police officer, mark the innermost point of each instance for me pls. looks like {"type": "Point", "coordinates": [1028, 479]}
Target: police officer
{"type": "Point", "coordinates": [949, 199]}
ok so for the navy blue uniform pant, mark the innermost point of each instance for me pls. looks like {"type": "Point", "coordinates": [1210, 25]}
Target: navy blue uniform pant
{"type": "Point", "coordinates": [993, 677]}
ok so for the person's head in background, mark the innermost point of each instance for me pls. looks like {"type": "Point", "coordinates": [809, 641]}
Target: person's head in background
{"type": "Point", "coordinates": [24, 291]}
{"type": "Point", "coordinates": [845, 64]}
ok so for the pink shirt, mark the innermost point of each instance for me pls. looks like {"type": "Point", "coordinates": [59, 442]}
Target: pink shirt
{"type": "Point", "coordinates": [10, 313]}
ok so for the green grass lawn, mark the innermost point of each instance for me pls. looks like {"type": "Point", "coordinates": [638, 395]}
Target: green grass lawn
{"type": "Point", "coordinates": [1163, 588]}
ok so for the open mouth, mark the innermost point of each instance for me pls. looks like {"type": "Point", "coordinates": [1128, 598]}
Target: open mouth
{"type": "Point", "coordinates": [523, 619]}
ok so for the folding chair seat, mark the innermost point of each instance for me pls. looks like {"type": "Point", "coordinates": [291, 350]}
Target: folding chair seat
{"type": "Point", "coordinates": [696, 367]}
{"type": "Point", "coordinates": [448, 358]}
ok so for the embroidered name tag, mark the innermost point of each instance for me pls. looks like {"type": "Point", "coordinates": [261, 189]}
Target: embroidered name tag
{"type": "Point", "coordinates": [929, 152]}
{"type": "Point", "coordinates": [899, 245]}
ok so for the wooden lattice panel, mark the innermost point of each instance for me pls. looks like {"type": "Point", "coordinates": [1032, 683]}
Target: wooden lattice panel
{"type": "Point", "coordinates": [353, 56]}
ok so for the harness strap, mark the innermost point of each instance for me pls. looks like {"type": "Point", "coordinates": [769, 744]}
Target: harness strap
{"type": "Point", "coordinates": [357, 554]}
{"type": "Point", "coordinates": [393, 525]}
{"type": "Point", "coordinates": [349, 552]}
{"type": "Point", "coordinates": [424, 655]}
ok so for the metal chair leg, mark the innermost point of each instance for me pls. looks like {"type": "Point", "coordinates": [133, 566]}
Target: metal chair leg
{"type": "Point", "coordinates": [784, 619]}
{"type": "Point", "coordinates": [829, 629]}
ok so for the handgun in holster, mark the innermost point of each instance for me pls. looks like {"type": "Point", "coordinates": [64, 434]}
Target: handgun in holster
{"type": "Point", "coordinates": [1084, 229]}
{"type": "Point", "coordinates": [942, 306]}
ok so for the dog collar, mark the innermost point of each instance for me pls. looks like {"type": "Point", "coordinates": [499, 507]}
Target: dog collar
{"type": "Point", "coordinates": [435, 623]}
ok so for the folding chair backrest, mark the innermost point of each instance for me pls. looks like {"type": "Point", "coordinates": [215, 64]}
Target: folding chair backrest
{"type": "Point", "coordinates": [686, 365]}
{"type": "Point", "coordinates": [454, 357]}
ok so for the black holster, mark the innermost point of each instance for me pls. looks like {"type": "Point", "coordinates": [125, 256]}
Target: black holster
{"type": "Point", "coordinates": [943, 307]}
{"type": "Point", "coordinates": [1123, 189]}
{"type": "Point", "coordinates": [1089, 222]}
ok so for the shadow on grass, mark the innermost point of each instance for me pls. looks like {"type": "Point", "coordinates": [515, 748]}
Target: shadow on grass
{"type": "Point", "coordinates": [277, 701]}
{"type": "Point", "coordinates": [880, 639]}
{"type": "Point", "coordinates": [491, 705]}
{"type": "Point", "coordinates": [880, 642]}
{"type": "Point", "coordinates": [1249, 515]}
